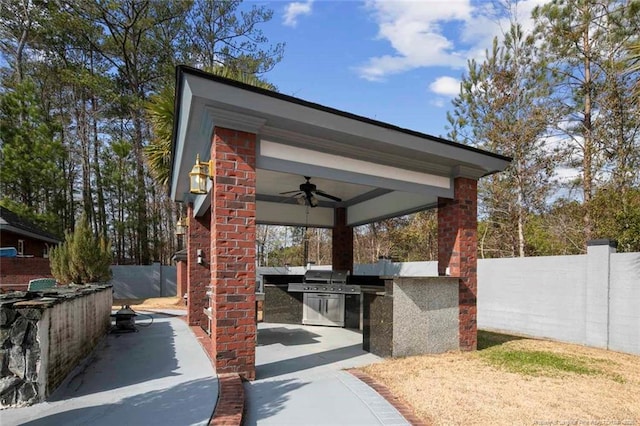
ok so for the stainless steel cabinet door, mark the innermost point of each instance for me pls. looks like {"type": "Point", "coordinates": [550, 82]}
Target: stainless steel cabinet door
{"type": "Point", "coordinates": [323, 309]}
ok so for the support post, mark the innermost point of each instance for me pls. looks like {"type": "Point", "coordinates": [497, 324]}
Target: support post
{"type": "Point", "coordinates": [341, 242]}
{"type": "Point", "coordinates": [598, 288]}
{"type": "Point", "coordinates": [457, 253]}
{"type": "Point", "coordinates": [199, 275]}
{"type": "Point", "coordinates": [233, 251]}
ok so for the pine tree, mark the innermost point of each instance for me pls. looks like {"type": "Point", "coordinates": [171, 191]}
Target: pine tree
{"type": "Point", "coordinates": [502, 107]}
{"type": "Point", "coordinates": [82, 258]}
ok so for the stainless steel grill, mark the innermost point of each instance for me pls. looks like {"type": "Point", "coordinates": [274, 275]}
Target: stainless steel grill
{"type": "Point", "coordinates": [324, 296]}
{"type": "Point", "coordinates": [325, 281]}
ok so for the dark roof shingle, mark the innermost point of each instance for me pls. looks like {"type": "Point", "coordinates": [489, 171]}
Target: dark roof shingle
{"type": "Point", "coordinates": [11, 221]}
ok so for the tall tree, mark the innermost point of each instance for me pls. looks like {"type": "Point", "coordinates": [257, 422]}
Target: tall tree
{"type": "Point", "coordinates": [30, 152]}
{"type": "Point", "coordinates": [503, 107]}
{"type": "Point", "coordinates": [92, 67]}
{"type": "Point", "coordinates": [582, 42]}
{"type": "Point", "coordinates": [222, 34]}
{"type": "Point", "coordinates": [132, 43]}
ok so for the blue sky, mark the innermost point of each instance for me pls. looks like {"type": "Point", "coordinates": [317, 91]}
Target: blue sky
{"type": "Point", "coordinates": [395, 61]}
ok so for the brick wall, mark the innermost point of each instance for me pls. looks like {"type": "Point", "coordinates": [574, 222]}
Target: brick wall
{"type": "Point", "coordinates": [342, 242]}
{"type": "Point", "coordinates": [457, 250]}
{"type": "Point", "coordinates": [16, 272]}
{"type": "Point", "coordinates": [199, 275]}
{"type": "Point", "coordinates": [32, 247]}
{"type": "Point", "coordinates": [233, 252]}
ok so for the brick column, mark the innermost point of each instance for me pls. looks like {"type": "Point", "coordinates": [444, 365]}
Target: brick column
{"type": "Point", "coordinates": [199, 275]}
{"type": "Point", "coordinates": [181, 277]}
{"type": "Point", "coordinates": [457, 250]}
{"type": "Point", "coordinates": [342, 242]}
{"type": "Point", "coordinates": [233, 251]}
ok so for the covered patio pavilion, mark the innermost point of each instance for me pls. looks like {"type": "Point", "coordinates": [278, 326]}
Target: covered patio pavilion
{"type": "Point", "coordinates": [261, 144]}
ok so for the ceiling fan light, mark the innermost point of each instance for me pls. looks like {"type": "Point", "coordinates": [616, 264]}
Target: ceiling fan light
{"type": "Point", "coordinates": [313, 201]}
{"type": "Point", "coordinates": [300, 201]}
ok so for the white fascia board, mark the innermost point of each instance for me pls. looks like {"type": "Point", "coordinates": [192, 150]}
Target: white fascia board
{"type": "Point", "coordinates": [202, 202]}
{"type": "Point", "coordinates": [263, 105]}
{"type": "Point", "coordinates": [293, 214]}
{"type": "Point", "coordinates": [314, 158]}
{"type": "Point", "coordinates": [386, 206]}
{"type": "Point", "coordinates": [234, 120]}
{"type": "Point", "coordinates": [178, 170]}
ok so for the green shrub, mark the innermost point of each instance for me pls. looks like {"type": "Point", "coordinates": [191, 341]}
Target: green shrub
{"type": "Point", "coordinates": [82, 258]}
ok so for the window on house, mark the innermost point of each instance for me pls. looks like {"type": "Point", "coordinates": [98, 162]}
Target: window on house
{"type": "Point", "coordinates": [20, 247]}
{"type": "Point", "coordinates": [45, 251]}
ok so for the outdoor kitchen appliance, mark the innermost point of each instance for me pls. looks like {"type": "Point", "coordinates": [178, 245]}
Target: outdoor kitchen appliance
{"type": "Point", "coordinates": [323, 299]}
{"type": "Point", "coordinates": [125, 319]}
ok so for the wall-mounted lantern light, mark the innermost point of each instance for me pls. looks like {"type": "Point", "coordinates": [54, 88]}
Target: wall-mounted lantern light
{"type": "Point", "coordinates": [181, 226]}
{"type": "Point", "coordinates": [199, 174]}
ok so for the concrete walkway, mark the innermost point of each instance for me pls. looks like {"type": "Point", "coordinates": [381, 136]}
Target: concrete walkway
{"type": "Point", "coordinates": [157, 376]}
{"type": "Point", "coordinates": [300, 379]}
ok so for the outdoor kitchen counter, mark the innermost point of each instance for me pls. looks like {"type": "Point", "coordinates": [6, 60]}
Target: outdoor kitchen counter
{"type": "Point", "coordinates": [412, 316]}
{"type": "Point", "coordinates": [279, 305]}
{"type": "Point", "coordinates": [374, 289]}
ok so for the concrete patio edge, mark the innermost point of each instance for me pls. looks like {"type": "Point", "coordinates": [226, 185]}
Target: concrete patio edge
{"type": "Point", "coordinates": [404, 409]}
{"type": "Point", "coordinates": [229, 407]}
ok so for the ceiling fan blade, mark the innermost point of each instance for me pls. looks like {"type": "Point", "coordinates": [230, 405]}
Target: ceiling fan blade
{"type": "Point", "coordinates": [329, 196]}
{"type": "Point", "coordinates": [290, 192]}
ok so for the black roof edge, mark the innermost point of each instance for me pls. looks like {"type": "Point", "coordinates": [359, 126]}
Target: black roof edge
{"type": "Point", "coordinates": [185, 69]}
{"type": "Point", "coordinates": [24, 226]}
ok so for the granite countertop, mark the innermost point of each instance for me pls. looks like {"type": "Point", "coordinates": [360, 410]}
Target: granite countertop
{"type": "Point", "coordinates": [375, 289]}
{"type": "Point", "coordinates": [429, 277]}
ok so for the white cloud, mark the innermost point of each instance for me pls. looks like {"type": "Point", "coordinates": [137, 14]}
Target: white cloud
{"type": "Point", "coordinates": [445, 86]}
{"type": "Point", "coordinates": [295, 9]}
{"type": "Point", "coordinates": [437, 33]}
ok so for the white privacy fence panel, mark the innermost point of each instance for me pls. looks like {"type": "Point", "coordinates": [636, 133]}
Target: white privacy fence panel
{"type": "Point", "coordinates": [538, 296]}
{"type": "Point", "coordinates": [624, 307]}
{"type": "Point", "coordinates": [591, 299]}
{"type": "Point", "coordinates": [143, 281]}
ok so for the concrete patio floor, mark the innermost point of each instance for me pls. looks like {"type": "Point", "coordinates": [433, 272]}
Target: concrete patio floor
{"type": "Point", "coordinates": [300, 379]}
{"type": "Point", "coordinates": [162, 376]}
{"type": "Point", "coordinates": [159, 375]}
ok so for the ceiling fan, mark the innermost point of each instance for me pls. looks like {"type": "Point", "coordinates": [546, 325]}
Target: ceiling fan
{"type": "Point", "coordinates": [307, 192]}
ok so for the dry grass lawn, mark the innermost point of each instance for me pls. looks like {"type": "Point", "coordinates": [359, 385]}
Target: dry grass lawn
{"type": "Point", "coordinates": [521, 381]}
{"type": "Point", "coordinates": [151, 303]}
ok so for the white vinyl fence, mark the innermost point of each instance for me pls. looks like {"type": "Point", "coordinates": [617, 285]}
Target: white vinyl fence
{"type": "Point", "coordinates": [143, 281]}
{"type": "Point", "coordinates": [591, 299]}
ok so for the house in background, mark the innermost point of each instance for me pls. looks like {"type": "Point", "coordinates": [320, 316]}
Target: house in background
{"type": "Point", "coordinates": [26, 247]}
{"type": "Point", "coordinates": [27, 238]}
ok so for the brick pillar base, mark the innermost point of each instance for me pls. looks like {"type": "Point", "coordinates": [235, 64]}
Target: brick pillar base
{"type": "Point", "coordinates": [342, 242]}
{"type": "Point", "coordinates": [233, 251]}
{"type": "Point", "coordinates": [457, 251]}
{"type": "Point", "coordinates": [199, 275]}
